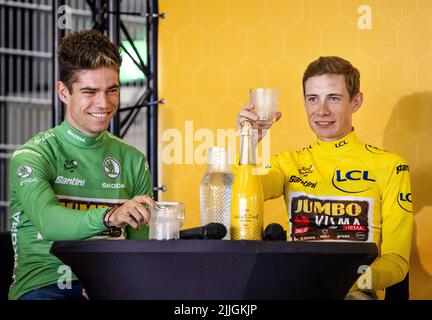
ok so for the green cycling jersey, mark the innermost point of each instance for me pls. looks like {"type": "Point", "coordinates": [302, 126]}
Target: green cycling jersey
{"type": "Point", "coordinates": [61, 182]}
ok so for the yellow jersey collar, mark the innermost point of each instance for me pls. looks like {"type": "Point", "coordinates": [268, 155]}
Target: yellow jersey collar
{"type": "Point", "coordinates": [337, 145]}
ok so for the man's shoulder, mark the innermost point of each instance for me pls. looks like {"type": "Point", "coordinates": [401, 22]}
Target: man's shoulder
{"type": "Point", "coordinates": [123, 145]}
{"type": "Point", "coordinates": [38, 144]}
{"type": "Point", "coordinates": [381, 155]}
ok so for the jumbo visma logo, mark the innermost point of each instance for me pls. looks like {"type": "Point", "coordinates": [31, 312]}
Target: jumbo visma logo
{"type": "Point", "coordinates": [352, 181]}
{"type": "Point", "coordinates": [111, 168]}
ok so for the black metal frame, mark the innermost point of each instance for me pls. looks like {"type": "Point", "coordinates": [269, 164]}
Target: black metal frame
{"type": "Point", "coordinates": [106, 17]}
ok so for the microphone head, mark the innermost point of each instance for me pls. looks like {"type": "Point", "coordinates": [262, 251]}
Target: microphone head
{"type": "Point", "coordinates": [275, 232]}
{"type": "Point", "coordinates": [214, 231]}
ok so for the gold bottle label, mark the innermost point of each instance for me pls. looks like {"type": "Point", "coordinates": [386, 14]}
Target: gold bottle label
{"type": "Point", "coordinates": [247, 221]}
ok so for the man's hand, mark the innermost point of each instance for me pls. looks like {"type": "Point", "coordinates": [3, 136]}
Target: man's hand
{"type": "Point", "coordinates": [133, 212]}
{"type": "Point", "coordinates": [247, 113]}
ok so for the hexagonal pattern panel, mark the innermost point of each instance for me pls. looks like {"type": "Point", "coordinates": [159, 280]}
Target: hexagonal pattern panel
{"type": "Point", "coordinates": [369, 67]}
{"type": "Point", "coordinates": [240, 82]}
{"type": "Point", "coordinates": [276, 12]}
{"type": "Point", "coordinates": [396, 10]}
{"type": "Point", "coordinates": [175, 91]}
{"type": "Point", "coordinates": [415, 114]}
{"type": "Point", "coordinates": [398, 75]}
{"type": "Point", "coordinates": [213, 51]}
{"type": "Point", "coordinates": [265, 44]}
{"type": "Point", "coordinates": [302, 32]}
{"type": "Point", "coordinates": [205, 11]}
{"type": "Point", "coordinates": [365, 118]}
{"type": "Point", "coordinates": [320, 15]}
{"type": "Point", "coordinates": [424, 7]}
{"type": "Point", "coordinates": [254, 9]}
{"type": "Point", "coordinates": [380, 41]}
{"type": "Point", "coordinates": [193, 48]}
{"type": "Point", "coordinates": [229, 46]}
{"type": "Point", "coordinates": [215, 93]}
{"type": "Point", "coordinates": [425, 73]}
{"type": "Point", "coordinates": [340, 38]}
{"type": "Point", "coordinates": [415, 32]}
{"type": "Point", "coordinates": [180, 19]}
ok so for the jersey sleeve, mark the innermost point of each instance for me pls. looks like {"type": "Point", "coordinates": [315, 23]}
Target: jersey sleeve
{"type": "Point", "coordinates": [142, 186]}
{"type": "Point", "coordinates": [392, 265]}
{"type": "Point", "coordinates": [143, 183]}
{"type": "Point", "coordinates": [31, 192]}
{"type": "Point", "coordinates": [274, 181]}
{"type": "Point", "coordinates": [397, 225]}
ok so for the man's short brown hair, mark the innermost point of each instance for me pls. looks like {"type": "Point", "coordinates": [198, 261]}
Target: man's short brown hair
{"type": "Point", "coordinates": [86, 50]}
{"type": "Point", "coordinates": [334, 65]}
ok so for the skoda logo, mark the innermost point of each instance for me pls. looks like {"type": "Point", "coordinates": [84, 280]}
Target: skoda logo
{"type": "Point", "coordinates": [24, 171]}
{"type": "Point", "coordinates": [111, 167]}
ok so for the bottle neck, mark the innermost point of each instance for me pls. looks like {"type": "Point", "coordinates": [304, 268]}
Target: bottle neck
{"type": "Point", "coordinates": [247, 154]}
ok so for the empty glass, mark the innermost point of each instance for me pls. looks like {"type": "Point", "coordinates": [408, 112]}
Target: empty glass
{"type": "Point", "coordinates": [166, 220]}
{"type": "Point", "coordinates": [265, 101]}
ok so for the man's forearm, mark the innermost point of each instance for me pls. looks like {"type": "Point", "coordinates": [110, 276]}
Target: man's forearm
{"type": "Point", "coordinates": [385, 271]}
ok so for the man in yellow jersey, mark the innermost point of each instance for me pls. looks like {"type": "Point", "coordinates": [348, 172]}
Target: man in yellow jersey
{"type": "Point", "coordinates": [338, 188]}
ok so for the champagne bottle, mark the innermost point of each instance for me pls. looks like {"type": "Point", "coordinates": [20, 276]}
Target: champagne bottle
{"type": "Point", "coordinates": [247, 202]}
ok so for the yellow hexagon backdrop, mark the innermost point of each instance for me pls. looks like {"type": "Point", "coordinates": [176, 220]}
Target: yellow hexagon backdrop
{"type": "Point", "coordinates": [213, 51]}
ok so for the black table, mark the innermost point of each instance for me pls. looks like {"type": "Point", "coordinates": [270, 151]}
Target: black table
{"type": "Point", "coordinates": [215, 269]}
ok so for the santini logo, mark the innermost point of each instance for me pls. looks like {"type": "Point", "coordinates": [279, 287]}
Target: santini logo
{"type": "Point", "coordinates": [353, 181]}
{"type": "Point", "coordinates": [305, 183]}
{"type": "Point", "coordinates": [402, 167]}
{"type": "Point", "coordinates": [70, 181]}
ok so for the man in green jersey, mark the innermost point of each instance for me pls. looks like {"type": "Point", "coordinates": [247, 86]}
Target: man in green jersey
{"type": "Point", "coordinates": [339, 188]}
{"type": "Point", "coordinates": [75, 181]}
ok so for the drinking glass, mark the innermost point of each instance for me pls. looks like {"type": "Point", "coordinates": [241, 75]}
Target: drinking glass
{"type": "Point", "coordinates": [265, 101]}
{"type": "Point", "coordinates": [166, 220]}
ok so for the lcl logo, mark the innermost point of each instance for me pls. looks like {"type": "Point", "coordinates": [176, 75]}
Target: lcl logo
{"type": "Point", "coordinates": [404, 201]}
{"type": "Point", "coordinates": [341, 144]}
{"type": "Point", "coordinates": [341, 181]}
{"type": "Point", "coordinates": [353, 175]}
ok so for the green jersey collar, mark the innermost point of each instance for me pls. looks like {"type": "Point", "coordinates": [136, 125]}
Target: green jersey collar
{"type": "Point", "coordinates": [338, 145]}
{"type": "Point", "coordinates": [77, 137]}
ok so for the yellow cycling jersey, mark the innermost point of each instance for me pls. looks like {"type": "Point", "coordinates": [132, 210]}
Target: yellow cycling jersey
{"type": "Point", "coordinates": [346, 190]}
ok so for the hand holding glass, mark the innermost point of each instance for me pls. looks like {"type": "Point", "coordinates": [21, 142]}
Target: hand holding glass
{"type": "Point", "coordinates": [265, 101]}
{"type": "Point", "coordinates": [166, 220]}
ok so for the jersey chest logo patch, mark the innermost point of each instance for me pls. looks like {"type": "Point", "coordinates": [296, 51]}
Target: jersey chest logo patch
{"type": "Point", "coordinates": [70, 165]}
{"type": "Point", "coordinates": [330, 218]}
{"type": "Point", "coordinates": [24, 171]}
{"type": "Point", "coordinates": [305, 171]}
{"type": "Point", "coordinates": [111, 168]}
{"type": "Point", "coordinates": [352, 181]}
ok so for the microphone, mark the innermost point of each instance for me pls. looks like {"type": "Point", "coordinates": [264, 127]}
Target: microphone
{"type": "Point", "coordinates": [274, 232]}
{"type": "Point", "coordinates": [208, 231]}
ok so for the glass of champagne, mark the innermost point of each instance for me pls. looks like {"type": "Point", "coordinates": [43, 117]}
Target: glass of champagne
{"type": "Point", "coordinates": [265, 101]}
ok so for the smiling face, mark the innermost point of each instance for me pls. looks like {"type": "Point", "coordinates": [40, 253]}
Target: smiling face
{"type": "Point", "coordinates": [93, 100]}
{"type": "Point", "coordinates": [328, 106]}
